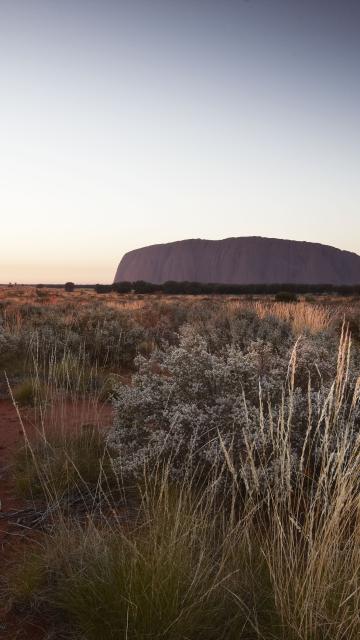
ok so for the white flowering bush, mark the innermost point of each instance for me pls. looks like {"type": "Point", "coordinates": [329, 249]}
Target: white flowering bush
{"type": "Point", "coordinates": [253, 408]}
{"type": "Point", "coordinates": [9, 344]}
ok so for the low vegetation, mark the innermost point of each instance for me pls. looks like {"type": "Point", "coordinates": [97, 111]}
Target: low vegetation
{"type": "Point", "coordinates": [60, 465]}
{"type": "Point", "coordinates": [223, 501]}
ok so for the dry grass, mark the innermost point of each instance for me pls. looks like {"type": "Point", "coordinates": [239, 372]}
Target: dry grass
{"type": "Point", "coordinates": [282, 563]}
{"type": "Point", "coordinates": [302, 316]}
{"type": "Point", "coordinates": [278, 562]}
{"type": "Point", "coordinates": [313, 316]}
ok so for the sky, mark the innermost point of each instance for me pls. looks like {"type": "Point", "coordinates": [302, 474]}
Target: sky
{"type": "Point", "coordinates": [133, 122]}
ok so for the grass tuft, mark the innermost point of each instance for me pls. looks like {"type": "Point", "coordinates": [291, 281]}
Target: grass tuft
{"type": "Point", "coordinates": [30, 392]}
{"type": "Point", "coordinates": [61, 464]}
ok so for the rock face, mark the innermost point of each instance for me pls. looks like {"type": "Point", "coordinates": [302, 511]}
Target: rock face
{"type": "Point", "coordinates": [250, 260]}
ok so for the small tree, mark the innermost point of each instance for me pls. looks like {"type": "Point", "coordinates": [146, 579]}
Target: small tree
{"type": "Point", "coordinates": [286, 296]}
{"type": "Point", "coordinates": [122, 287]}
{"type": "Point", "coordinates": [140, 286]}
{"type": "Point", "coordinates": [103, 288]}
{"type": "Point", "coordinates": [69, 287]}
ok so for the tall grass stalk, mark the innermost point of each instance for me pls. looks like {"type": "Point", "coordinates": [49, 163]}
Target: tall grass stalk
{"type": "Point", "coordinates": [269, 557]}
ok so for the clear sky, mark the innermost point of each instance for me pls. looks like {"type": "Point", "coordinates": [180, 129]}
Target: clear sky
{"type": "Point", "coordinates": [126, 123]}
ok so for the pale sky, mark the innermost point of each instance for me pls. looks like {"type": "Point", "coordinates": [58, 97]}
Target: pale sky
{"type": "Point", "coordinates": [128, 123]}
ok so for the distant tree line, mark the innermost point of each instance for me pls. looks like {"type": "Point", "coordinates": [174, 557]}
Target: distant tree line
{"type": "Point", "coordinates": [199, 288]}
{"type": "Point", "coordinates": [171, 287]}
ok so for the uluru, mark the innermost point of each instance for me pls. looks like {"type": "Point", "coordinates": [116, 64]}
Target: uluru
{"type": "Point", "coordinates": [244, 260]}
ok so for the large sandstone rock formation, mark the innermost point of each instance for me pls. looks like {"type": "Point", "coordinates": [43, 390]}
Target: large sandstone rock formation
{"type": "Point", "coordinates": [251, 260]}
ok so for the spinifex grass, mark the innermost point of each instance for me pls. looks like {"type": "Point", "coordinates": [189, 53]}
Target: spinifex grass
{"type": "Point", "coordinates": [277, 559]}
{"type": "Point", "coordinates": [62, 463]}
{"type": "Point", "coordinates": [301, 316]}
{"type": "Point", "coordinates": [178, 571]}
{"type": "Point", "coordinates": [278, 563]}
{"type": "Point", "coordinates": [67, 452]}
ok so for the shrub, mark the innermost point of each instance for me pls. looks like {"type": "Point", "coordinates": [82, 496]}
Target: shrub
{"type": "Point", "coordinates": [10, 346]}
{"type": "Point", "coordinates": [103, 288]}
{"type": "Point", "coordinates": [140, 286]}
{"type": "Point", "coordinates": [42, 294]}
{"type": "Point", "coordinates": [122, 287]}
{"type": "Point", "coordinates": [69, 287]}
{"type": "Point", "coordinates": [286, 296]}
{"type": "Point", "coordinates": [188, 405]}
